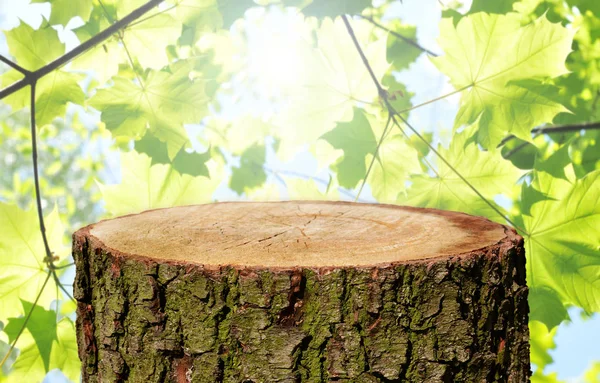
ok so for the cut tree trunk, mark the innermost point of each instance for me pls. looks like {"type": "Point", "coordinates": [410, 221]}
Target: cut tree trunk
{"type": "Point", "coordinates": [301, 292]}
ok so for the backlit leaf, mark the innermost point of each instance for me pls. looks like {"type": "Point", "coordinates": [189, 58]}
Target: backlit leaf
{"type": "Point", "coordinates": [488, 172]}
{"type": "Point", "coordinates": [42, 327]}
{"type": "Point", "coordinates": [145, 186]}
{"type": "Point", "coordinates": [562, 244]}
{"type": "Point", "coordinates": [250, 174]}
{"type": "Point", "coordinates": [33, 48]}
{"type": "Point", "coordinates": [64, 10]}
{"type": "Point", "coordinates": [476, 61]}
{"type": "Point", "coordinates": [22, 270]}
{"type": "Point", "coordinates": [162, 104]}
{"type": "Point", "coordinates": [147, 40]}
{"type": "Point", "coordinates": [356, 139]}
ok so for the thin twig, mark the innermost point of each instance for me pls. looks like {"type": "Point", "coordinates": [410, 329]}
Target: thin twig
{"type": "Point", "coordinates": [12, 346]}
{"type": "Point", "coordinates": [120, 36]}
{"type": "Point", "coordinates": [152, 15]}
{"type": "Point", "coordinates": [14, 65]}
{"type": "Point", "coordinates": [558, 129]}
{"type": "Point", "coordinates": [383, 135]}
{"type": "Point", "coordinates": [97, 39]}
{"type": "Point", "coordinates": [36, 177]}
{"type": "Point", "coordinates": [393, 115]}
{"type": "Point", "coordinates": [399, 36]}
{"type": "Point", "coordinates": [64, 266]}
{"type": "Point", "coordinates": [60, 285]}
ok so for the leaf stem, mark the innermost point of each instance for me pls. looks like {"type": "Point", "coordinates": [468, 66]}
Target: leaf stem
{"type": "Point", "coordinates": [434, 99]}
{"type": "Point", "coordinates": [393, 115]}
{"type": "Point", "coordinates": [12, 346]}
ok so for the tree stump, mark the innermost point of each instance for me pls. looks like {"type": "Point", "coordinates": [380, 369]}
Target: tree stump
{"type": "Point", "coordinates": [301, 292]}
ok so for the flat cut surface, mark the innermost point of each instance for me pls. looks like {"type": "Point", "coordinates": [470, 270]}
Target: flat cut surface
{"type": "Point", "coordinates": [295, 234]}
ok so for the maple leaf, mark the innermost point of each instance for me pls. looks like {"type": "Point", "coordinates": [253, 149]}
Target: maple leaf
{"type": "Point", "coordinates": [476, 61]}
{"type": "Point", "coordinates": [488, 172]}
{"type": "Point", "coordinates": [22, 269]}
{"type": "Point", "coordinates": [163, 103]}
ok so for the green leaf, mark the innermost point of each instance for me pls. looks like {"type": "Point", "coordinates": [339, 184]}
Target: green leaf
{"type": "Point", "coordinates": [53, 92]}
{"type": "Point", "coordinates": [162, 104]}
{"type": "Point", "coordinates": [201, 14]}
{"type": "Point", "coordinates": [541, 341]}
{"type": "Point", "coordinates": [64, 10]}
{"type": "Point", "coordinates": [475, 60]}
{"type": "Point", "coordinates": [250, 174]}
{"type": "Point", "coordinates": [231, 10]}
{"type": "Point", "coordinates": [57, 341]}
{"type": "Point", "coordinates": [586, 5]}
{"type": "Point", "coordinates": [555, 164]}
{"type": "Point", "coordinates": [237, 135]}
{"type": "Point", "coordinates": [191, 163]}
{"type": "Point", "coordinates": [147, 40]}
{"type": "Point", "coordinates": [540, 377]}
{"type": "Point", "coordinates": [398, 96]}
{"type": "Point", "coordinates": [395, 161]}
{"type": "Point", "coordinates": [592, 374]}
{"type": "Point", "coordinates": [487, 171]}
{"type": "Point", "coordinates": [145, 186]}
{"type": "Point", "coordinates": [492, 6]}
{"type": "Point", "coordinates": [546, 307]}
{"type": "Point", "coordinates": [64, 351]}
{"type": "Point", "coordinates": [356, 139]}
{"type": "Point", "coordinates": [331, 80]}
{"type": "Point", "coordinates": [22, 270]}
{"type": "Point", "coordinates": [333, 8]}
{"type": "Point", "coordinates": [562, 244]}
{"type": "Point", "coordinates": [585, 152]}
{"type": "Point", "coordinates": [400, 53]}
{"type": "Point", "coordinates": [34, 48]}
{"type": "Point", "coordinates": [306, 190]}
{"type": "Point", "coordinates": [41, 326]}
{"type": "Point", "coordinates": [103, 59]}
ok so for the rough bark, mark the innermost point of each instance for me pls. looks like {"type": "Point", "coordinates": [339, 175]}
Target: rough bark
{"type": "Point", "coordinates": [452, 318]}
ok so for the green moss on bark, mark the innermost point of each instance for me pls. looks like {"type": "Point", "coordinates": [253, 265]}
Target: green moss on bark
{"type": "Point", "coordinates": [458, 319]}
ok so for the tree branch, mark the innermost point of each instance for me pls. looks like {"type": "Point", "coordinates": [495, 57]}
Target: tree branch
{"type": "Point", "coordinates": [393, 113]}
{"type": "Point", "coordinates": [399, 36]}
{"type": "Point", "coordinates": [14, 65]}
{"type": "Point", "coordinates": [558, 129]}
{"type": "Point", "coordinates": [62, 60]}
